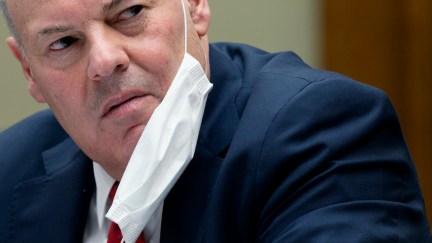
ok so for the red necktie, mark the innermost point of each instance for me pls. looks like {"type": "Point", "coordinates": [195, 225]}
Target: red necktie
{"type": "Point", "coordinates": [114, 232]}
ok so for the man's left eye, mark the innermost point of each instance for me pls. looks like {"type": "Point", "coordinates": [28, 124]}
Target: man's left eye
{"type": "Point", "coordinates": [130, 12]}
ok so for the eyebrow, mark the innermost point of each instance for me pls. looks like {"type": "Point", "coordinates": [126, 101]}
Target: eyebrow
{"type": "Point", "coordinates": [52, 30]}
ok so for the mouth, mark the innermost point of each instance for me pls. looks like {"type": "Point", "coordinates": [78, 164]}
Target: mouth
{"type": "Point", "coordinates": [122, 104]}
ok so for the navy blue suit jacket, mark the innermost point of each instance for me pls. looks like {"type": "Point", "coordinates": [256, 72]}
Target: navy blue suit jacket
{"type": "Point", "coordinates": [286, 153]}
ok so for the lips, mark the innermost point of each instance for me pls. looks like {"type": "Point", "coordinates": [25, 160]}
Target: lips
{"type": "Point", "coordinates": [121, 102]}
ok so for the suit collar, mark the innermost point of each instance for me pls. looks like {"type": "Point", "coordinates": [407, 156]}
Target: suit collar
{"type": "Point", "coordinates": [60, 156]}
{"type": "Point", "coordinates": [220, 116]}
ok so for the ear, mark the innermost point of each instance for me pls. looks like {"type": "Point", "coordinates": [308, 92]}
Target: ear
{"type": "Point", "coordinates": [200, 13]}
{"type": "Point", "coordinates": [32, 85]}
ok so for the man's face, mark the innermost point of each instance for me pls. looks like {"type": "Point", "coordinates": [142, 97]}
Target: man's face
{"type": "Point", "coordinates": [103, 66]}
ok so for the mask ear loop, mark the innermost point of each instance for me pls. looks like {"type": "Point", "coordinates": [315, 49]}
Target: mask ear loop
{"type": "Point", "coordinates": [185, 33]}
{"type": "Point", "coordinates": [185, 26]}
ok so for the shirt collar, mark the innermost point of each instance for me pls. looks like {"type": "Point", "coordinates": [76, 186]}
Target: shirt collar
{"type": "Point", "coordinates": [104, 183]}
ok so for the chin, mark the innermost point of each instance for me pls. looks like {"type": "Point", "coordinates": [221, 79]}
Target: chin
{"type": "Point", "coordinates": [131, 139]}
{"type": "Point", "coordinates": [133, 134]}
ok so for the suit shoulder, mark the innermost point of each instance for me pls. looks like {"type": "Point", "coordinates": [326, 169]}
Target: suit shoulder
{"type": "Point", "coordinates": [258, 65]}
{"type": "Point", "coordinates": [35, 133]}
{"type": "Point", "coordinates": [274, 79]}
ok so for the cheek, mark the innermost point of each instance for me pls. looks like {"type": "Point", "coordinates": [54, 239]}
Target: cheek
{"type": "Point", "coordinates": [160, 48]}
{"type": "Point", "coordinates": [159, 66]}
{"type": "Point", "coordinates": [64, 95]}
{"type": "Point", "coordinates": [69, 112]}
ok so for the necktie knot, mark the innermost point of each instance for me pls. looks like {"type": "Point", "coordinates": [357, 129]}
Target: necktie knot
{"type": "Point", "coordinates": [113, 191]}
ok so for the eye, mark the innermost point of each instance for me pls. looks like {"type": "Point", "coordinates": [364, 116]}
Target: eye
{"type": "Point", "coordinates": [129, 13]}
{"type": "Point", "coordinates": [62, 43]}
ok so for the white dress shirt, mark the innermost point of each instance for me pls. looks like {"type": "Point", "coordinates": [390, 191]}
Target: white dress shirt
{"type": "Point", "coordinates": [97, 227]}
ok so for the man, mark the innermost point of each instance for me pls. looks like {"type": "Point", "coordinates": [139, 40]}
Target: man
{"type": "Point", "coordinates": [285, 153]}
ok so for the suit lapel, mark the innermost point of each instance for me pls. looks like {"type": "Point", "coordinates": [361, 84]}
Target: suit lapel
{"type": "Point", "coordinates": [54, 207]}
{"type": "Point", "coordinates": [186, 205]}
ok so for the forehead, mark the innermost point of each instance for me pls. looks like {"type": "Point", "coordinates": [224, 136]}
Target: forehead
{"type": "Point", "coordinates": [30, 15]}
{"type": "Point", "coordinates": [21, 10]}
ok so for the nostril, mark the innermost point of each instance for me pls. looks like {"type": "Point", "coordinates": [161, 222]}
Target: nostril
{"type": "Point", "coordinates": [121, 68]}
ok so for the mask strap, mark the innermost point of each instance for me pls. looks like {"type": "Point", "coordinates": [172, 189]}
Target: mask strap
{"type": "Point", "coordinates": [185, 25]}
{"type": "Point", "coordinates": [185, 31]}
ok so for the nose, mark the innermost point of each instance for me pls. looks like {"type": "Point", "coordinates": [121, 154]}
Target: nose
{"type": "Point", "coordinates": [106, 53]}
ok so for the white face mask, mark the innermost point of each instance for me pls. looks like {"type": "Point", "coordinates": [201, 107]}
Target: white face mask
{"type": "Point", "coordinates": [164, 149]}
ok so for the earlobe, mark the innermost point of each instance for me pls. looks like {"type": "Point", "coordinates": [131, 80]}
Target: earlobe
{"type": "Point", "coordinates": [32, 86]}
{"type": "Point", "coordinates": [200, 14]}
